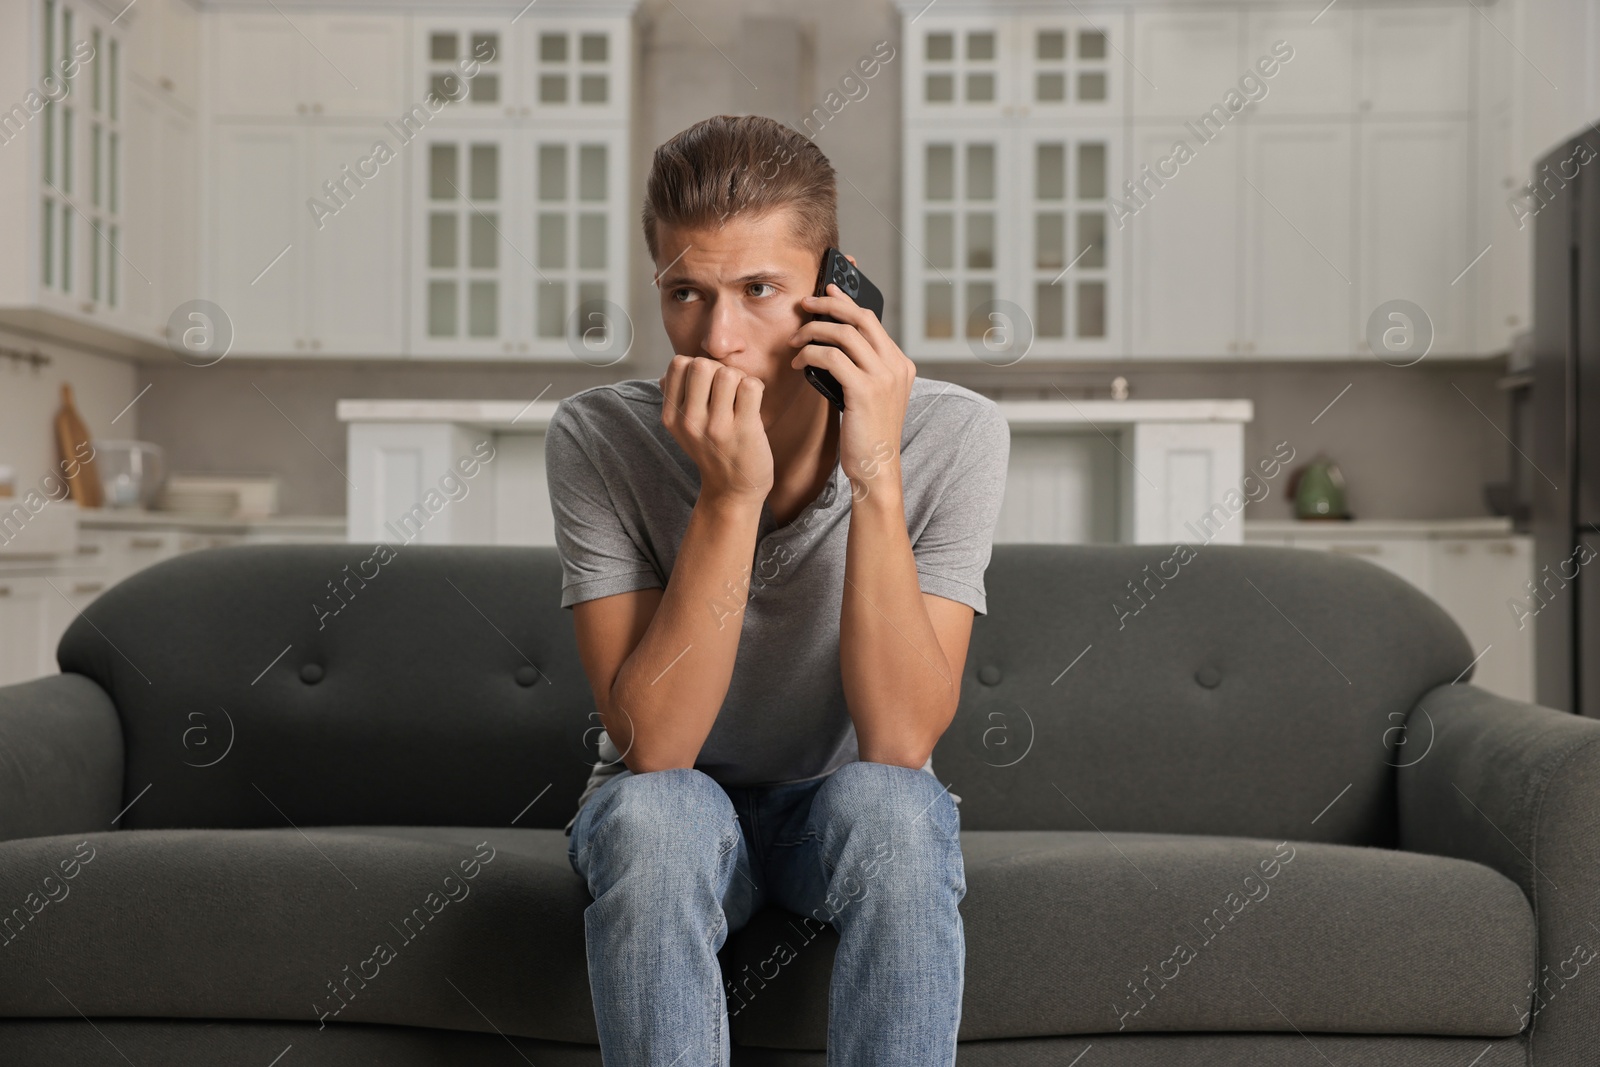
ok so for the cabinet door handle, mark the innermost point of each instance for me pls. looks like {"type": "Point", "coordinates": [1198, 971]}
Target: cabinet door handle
{"type": "Point", "coordinates": [165, 83]}
{"type": "Point", "coordinates": [1502, 548]}
{"type": "Point", "coordinates": [317, 108]}
{"type": "Point", "coordinates": [88, 587]}
{"type": "Point", "coordinates": [301, 108]}
{"type": "Point", "coordinates": [315, 343]}
{"type": "Point", "coordinates": [1357, 550]}
{"type": "Point", "coordinates": [88, 550]}
{"type": "Point", "coordinates": [299, 342]}
{"type": "Point", "coordinates": [5, 590]}
{"type": "Point", "coordinates": [145, 542]}
{"type": "Point", "coordinates": [1233, 346]}
{"type": "Point", "coordinates": [1456, 549]}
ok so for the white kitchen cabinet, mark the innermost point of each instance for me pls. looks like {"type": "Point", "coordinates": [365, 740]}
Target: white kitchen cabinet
{"type": "Point", "coordinates": [1416, 59]}
{"type": "Point", "coordinates": [1185, 245]}
{"type": "Point", "coordinates": [1184, 61]}
{"type": "Point", "coordinates": [24, 627]}
{"type": "Point", "coordinates": [563, 71]}
{"type": "Point", "coordinates": [1067, 65]}
{"type": "Point", "coordinates": [520, 242]}
{"type": "Point", "coordinates": [365, 72]}
{"type": "Point", "coordinates": [465, 240]}
{"type": "Point", "coordinates": [576, 71]}
{"type": "Point", "coordinates": [1013, 153]}
{"type": "Point", "coordinates": [293, 281]}
{"type": "Point", "coordinates": [162, 241]}
{"type": "Point", "coordinates": [961, 69]}
{"type": "Point", "coordinates": [82, 140]}
{"type": "Point", "coordinates": [1299, 271]}
{"type": "Point", "coordinates": [258, 65]}
{"type": "Point", "coordinates": [1475, 579]}
{"type": "Point", "coordinates": [444, 48]}
{"type": "Point", "coordinates": [1020, 214]}
{"type": "Point", "coordinates": [291, 62]}
{"type": "Point", "coordinates": [1417, 232]}
{"type": "Point", "coordinates": [163, 43]}
{"type": "Point", "coordinates": [1320, 79]}
{"type": "Point", "coordinates": [572, 291]}
{"type": "Point", "coordinates": [961, 232]}
{"type": "Point", "coordinates": [356, 281]}
{"type": "Point", "coordinates": [258, 254]}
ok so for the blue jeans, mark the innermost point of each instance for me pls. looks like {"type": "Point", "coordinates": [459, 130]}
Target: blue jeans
{"type": "Point", "coordinates": [675, 862]}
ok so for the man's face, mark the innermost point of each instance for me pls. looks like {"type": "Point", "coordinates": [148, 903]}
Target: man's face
{"type": "Point", "coordinates": [731, 292]}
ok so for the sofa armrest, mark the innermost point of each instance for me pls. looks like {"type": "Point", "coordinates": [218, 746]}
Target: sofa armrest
{"type": "Point", "coordinates": [1516, 787]}
{"type": "Point", "coordinates": [61, 758]}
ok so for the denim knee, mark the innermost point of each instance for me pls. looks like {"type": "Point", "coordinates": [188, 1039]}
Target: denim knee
{"type": "Point", "coordinates": [907, 821]}
{"type": "Point", "coordinates": [670, 816]}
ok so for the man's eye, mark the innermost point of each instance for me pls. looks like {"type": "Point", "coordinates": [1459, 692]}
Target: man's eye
{"type": "Point", "coordinates": [767, 285]}
{"type": "Point", "coordinates": [676, 292]}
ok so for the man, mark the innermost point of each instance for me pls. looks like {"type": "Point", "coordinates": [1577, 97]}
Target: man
{"type": "Point", "coordinates": [773, 602]}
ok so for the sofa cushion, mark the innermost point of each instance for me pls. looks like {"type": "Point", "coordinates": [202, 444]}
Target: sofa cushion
{"type": "Point", "coordinates": [286, 924]}
{"type": "Point", "coordinates": [1082, 933]}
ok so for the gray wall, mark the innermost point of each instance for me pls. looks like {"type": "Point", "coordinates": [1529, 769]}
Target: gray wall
{"type": "Point", "coordinates": [1417, 442]}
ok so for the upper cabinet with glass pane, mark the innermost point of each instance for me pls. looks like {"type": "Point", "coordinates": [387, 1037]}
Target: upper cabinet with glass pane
{"type": "Point", "coordinates": [551, 69]}
{"type": "Point", "coordinates": [1013, 150]}
{"type": "Point", "coordinates": [472, 63]}
{"type": "Point", "coordinates": [968, 67]}
{"type": "Point", "coordinates": [521, 229]}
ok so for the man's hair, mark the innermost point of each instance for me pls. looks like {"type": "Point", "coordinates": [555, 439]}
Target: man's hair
{"type": "Point", "coordinates": [741, 165]}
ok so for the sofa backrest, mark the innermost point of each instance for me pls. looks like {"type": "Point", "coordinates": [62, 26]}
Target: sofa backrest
{"type": "Point", "coordinates": [1240, 692]}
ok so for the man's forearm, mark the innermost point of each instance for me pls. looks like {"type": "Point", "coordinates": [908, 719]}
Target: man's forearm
{"type": "Point", "coordinates": [668, 692]}
{"type": "Point", "coordinates": [897, 680]}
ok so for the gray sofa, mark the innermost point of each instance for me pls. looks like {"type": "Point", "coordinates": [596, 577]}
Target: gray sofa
{"type": "Point", "coordinates": [1253, 814]}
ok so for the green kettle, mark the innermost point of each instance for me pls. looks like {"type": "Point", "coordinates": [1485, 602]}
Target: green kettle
{"type": "Point", "coordinates": [1318, 490]}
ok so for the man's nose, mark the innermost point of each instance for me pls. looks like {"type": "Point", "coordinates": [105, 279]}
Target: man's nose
{"type": "Point", "coordinates": [724, 333]}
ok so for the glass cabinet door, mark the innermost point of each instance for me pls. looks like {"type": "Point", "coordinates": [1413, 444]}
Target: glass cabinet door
{"type": "Point", "coordinates": [81, 141]}
{"type": "Point", "coordinates": [575, 70]}
{"type": "Point", "coordinates": [577, 284]}
{"type": "Point", "coordinates": [471, 65]}
{"type": "Point", "coordinates": [59, 223]}
{"type": "Point", "coordinates": [957, 68]}
{"type": "Point", "coordinates": [104, 164]}
{"type": "Point", "coordinates": [1068, 65]}
{"type": "Point", "coordinates": [463, 244]}
{"type": "Point", "coordinates": [958, 235]}
{"type": "Point", "coordinates": [1071, 254]}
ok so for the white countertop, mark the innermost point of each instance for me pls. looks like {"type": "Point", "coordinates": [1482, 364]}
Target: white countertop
{"type": "Point", "coordinates": [534, 415]}
{"type": "Point", "coordinates": [140, 519]}
{"type": "Point", "coordinates": [1366, 529]}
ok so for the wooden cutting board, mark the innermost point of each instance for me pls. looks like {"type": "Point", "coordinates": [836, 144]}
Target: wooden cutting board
{"type": "Point", "coordinates": [76, 454]}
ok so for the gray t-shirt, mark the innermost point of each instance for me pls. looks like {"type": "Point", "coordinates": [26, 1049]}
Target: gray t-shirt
{"type": "Point", "coordinates": [622, 491]}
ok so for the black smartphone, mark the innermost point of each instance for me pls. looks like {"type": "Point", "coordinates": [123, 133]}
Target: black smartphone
{"type": "Point", "coordinates": [843, 273]}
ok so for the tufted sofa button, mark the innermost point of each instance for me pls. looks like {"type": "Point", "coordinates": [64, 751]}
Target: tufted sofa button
{"type": "Point", "coordinates": [311, 673]}
{"type": "Point", "coordinates": [1208, 677]}
{"type": "Point", "coordinates": [989, 675]}
{"type": "Point", "coordinates": [526, 675]}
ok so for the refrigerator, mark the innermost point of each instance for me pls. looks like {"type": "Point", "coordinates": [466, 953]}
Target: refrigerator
{"type": "Point", "coordinates": [1562, 475]}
